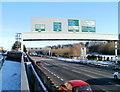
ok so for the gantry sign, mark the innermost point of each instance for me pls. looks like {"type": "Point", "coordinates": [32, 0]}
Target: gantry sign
{"type": "Point", "coordinates": [66, 29]}
{"type": "Point", "coordinates": [62, 25]}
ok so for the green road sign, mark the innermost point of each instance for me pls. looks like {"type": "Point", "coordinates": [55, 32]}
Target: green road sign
{"type": "Point", "coordinates": [57, 26]}
{"type": "Point", "coordinates": [39, 27]}
{"type": "Point", "coordinates": [88, 29]}
{"type": "Point", "coordinates": [73, 25]}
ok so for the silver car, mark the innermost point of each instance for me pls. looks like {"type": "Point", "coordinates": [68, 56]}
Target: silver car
{"type": "Point", "coordinates": [117, 75]}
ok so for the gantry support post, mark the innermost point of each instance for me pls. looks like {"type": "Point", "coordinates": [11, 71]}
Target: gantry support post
{"type": "Point", "coordinates": [116, 54]}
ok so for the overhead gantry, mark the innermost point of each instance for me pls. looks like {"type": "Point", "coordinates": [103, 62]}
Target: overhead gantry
{"type": "Point", "coordinates": [56, 36]}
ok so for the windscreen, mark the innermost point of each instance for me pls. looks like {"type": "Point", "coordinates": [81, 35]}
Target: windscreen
{"type": "Point", "coordinates": [84, 88]}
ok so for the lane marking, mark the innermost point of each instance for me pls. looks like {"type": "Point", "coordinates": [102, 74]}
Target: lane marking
{"type": "Point", "coordinates": [53, 74]}
{"type": "Point", "coordinates": [94, 72]}
{"type": "Point", "coordinates": [111, 83]}
{"type": "Point", "coordinates": [83, 74]}
{"type": "Point", "coordinates": [62, 79]}
{"type": "Point", "coordinates": [58, 77]}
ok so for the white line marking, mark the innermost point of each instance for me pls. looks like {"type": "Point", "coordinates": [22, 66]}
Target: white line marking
{"type": "Point", "coordinates": [111, 83]}
{"type": "Point", "coordinates": [61, 79]}
{"type": "Point", "coordinates": [58, 77]}
{"type": "Point", "coordinates": [86, 75]}
{"type": "Point", "coordinates": [51, 72]}
{"type": "Point", "coordinates": [54, 74]}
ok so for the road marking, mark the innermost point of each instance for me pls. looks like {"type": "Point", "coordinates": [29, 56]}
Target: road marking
{"type": "Point", "coordinates": [105, 90]}
{"type": "Point", "coordinates": [111, 83]}
{"type": "Point", "coordinates": [58, 77]}
{"type": "Point", "coordinates": [46, 64]}
{"type": "Point", "coordinates": [53, 74]}
{"type": "Point", "coordinates": [86, 75]}
{"type": "Point", "coordinates": [91, 72]}
{"type": "Point", "coordinates": [62, 79]}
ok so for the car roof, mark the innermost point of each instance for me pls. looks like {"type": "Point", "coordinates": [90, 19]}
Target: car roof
{"type": "Point", "coordinates": [75, 83]}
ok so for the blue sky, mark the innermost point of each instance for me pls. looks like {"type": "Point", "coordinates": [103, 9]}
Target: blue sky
{"type": "Point", "coordinates": [16, 16]}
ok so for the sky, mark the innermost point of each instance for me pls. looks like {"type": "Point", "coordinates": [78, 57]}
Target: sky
{"type": "Point", "coordinates": [16, 17]}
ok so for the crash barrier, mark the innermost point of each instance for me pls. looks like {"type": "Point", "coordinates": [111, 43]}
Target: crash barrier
{"type": "Point", "coordinates": [35, 82]}
{"type": "Point", "coordinates": [45, 79]}
{"type": "Point", "coordinates": [39, 80]}
{"type": "Point", "coordinates": [24, 79]}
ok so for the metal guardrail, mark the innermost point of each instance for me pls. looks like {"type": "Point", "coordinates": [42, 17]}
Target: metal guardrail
{"type": "Point", "coordinates": [40, 82]}
{"type": "Point", "coordinates": [37, 77]}
{"type": "Point", "coordinates": [46, 80]}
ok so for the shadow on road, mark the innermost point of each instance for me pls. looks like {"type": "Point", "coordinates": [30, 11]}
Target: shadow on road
{"type": "Point", "coordinates": [103, 81]}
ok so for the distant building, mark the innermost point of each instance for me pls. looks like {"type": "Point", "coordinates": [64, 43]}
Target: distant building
{"type": "Point", "coordinates": [33, 48]}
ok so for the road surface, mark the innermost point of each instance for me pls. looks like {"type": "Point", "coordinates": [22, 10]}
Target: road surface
{"type": "Point", "coordinates": [101, 80]}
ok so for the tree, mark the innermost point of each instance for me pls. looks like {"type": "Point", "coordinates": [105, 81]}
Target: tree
{"type": "Point", "coordinates": [17, 46]}
{"type": "Point", "coordinates": [87, 44]}
{"type": "Point", "coordinates": [24, 48]}
{"type": "Point", "coordinates": [93, 48]}
{"type": "Point", "coordinates": [106, 48]}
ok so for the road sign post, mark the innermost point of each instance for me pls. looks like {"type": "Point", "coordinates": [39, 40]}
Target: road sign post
{"type": "Point", "coordinates": [116, 54]}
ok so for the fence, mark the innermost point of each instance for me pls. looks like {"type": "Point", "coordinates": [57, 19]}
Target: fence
{"type": "Point", "coordinates": [43, 76]}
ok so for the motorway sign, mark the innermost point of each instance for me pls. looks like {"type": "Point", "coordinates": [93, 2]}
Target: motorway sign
{"type": "Point", "coordinates": [57, 26]}
{"type": "Point", "coordinates": [73, 25]}
{"type": "Point", "coordinates": [39, 27]}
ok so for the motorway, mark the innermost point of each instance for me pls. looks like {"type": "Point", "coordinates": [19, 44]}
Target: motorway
{"type": "Point", "coordinates": [101, 80]}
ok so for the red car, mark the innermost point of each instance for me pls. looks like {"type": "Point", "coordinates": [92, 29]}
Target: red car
{"type": "Point", "coordinates": [75, 86]}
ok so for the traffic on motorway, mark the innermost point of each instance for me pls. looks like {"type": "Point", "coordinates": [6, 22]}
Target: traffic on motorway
{"type": "Point", "coordinates": [75, 86]}
{"type": "Point", "coordinates": [62, 71]}
{"type": "Point", "coordinates": [117, 75]}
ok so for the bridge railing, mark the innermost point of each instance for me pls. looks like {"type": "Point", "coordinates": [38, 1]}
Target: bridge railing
{"type": "Point", "coordinates": [35, 81]}
{"type": "Point", "coordinates": [44, 78]}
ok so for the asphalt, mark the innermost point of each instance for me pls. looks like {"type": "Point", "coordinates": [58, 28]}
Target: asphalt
{"type": "Point", "coordinates": [101, 80]}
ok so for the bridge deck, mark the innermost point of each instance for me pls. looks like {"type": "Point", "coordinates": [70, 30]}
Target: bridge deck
{"type": "Point", "coordinates": [37, 36]}
{"type": "Point", "coordinates": [10, 75]}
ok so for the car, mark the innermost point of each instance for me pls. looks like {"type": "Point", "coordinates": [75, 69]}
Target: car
{"type": "Point", "coordinates": [38, 62]}
{"type": "Point", "coordinates": [75, 86]}
{"type": "Point", "coordinates": [39, 55]}
{"type": "Point", "coordinates": [117, 75]}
